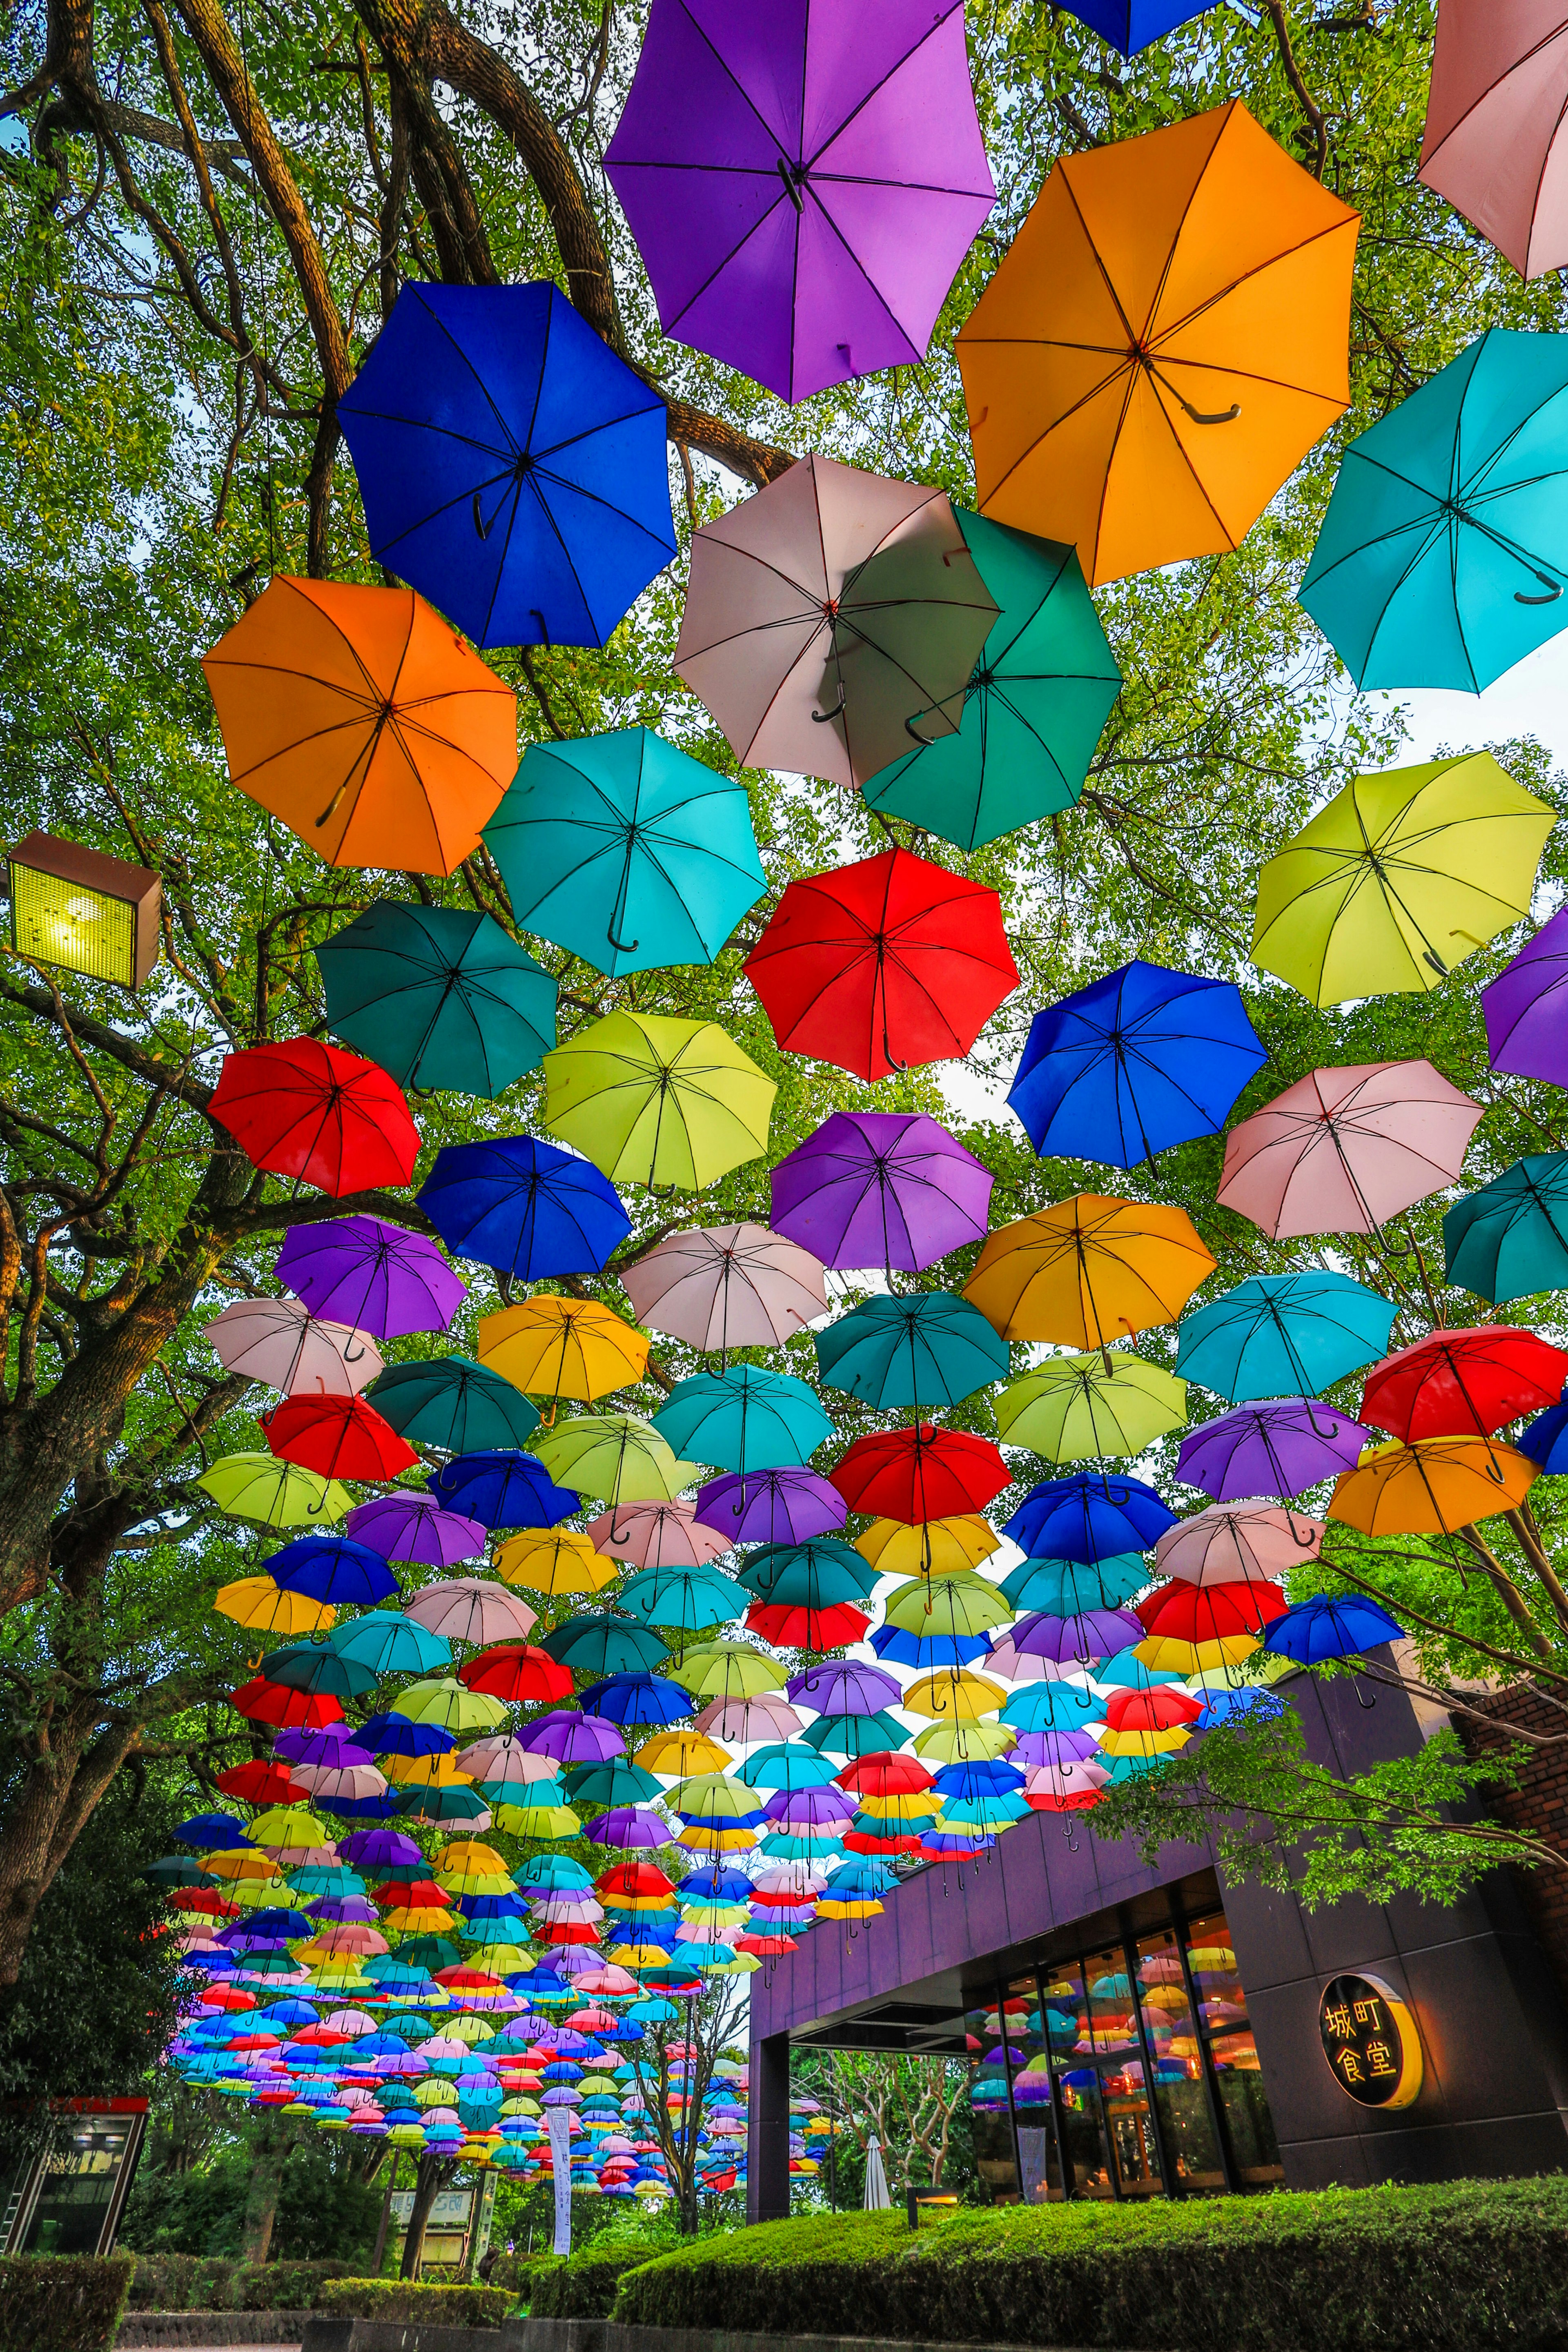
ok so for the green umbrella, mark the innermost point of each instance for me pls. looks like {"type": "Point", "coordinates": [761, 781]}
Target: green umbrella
{"type": "Point", "coordinates": [1035, 705]}
{"type": "Point", "coordinates": [627, 851]}
{"type": "Point", "coordinates": [603, 1645]}
{"type": "Point", "coordinates": [439, 996]}
{"type": "Point", "coordinates": [176, 1870]}
{"type": "Point", "coordinates": [455, 1405]}
{"type": "Point", "coordinates": [1511, 1239]}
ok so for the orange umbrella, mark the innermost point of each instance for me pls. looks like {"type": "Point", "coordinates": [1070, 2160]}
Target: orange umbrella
{"type": "Point", "coordinates": [1432, 1487]}
{"type": "Point", "coordinates": [356, 716]}
{"type": "Point", "coordinates": [1089, 1270]}
{"type": "Point", "coordinates": [1163, 343]}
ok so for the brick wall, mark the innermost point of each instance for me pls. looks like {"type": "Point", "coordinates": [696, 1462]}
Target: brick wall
{"type": "Point", "coordinates": [1539, 1806]}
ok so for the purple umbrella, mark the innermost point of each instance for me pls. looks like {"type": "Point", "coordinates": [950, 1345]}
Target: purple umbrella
{"type": "Point", "coordinates": [376, 1277]}
{"type": "Point", "coordinates": [572, 1738]}
{"type": "Point", "coordinates": [1093, 1633]}
{"type": "Point", "coordinates": [803, 179]}
{"type": "Point", "coordinates": [333, 1744]}
{"type": "Point", "coordinates": [379, 1850]}
{"type": "Point", "coordinates": [1526, 1004]}
{"type": "Point", "coordinates": [880, 1187]}
{"type": "Point", "coordinates": [629, 1825]}
{"type": "Point", "coordinates": [815, 1807]}
{"type": "Point", "coordinates": [1057, 1751]}
{"type": "Point", "coordinates": [405, 1525]}
{"type": "Point", "coordinates": [771, 1506]}
{"type": "Point", "coordinates": [1280, 1446]}
{"type": "Point", "coordinates": [843, 1686]}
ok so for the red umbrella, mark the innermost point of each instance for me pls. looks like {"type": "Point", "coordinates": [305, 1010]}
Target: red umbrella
{"type": "Point", "coordinates": [884, 1775]}
{"type": "Point", "coordinates": [914, 1474]}
{"type": "Point", "coordinates": [304, 1110]}
{"type": "Point", "coordinates": [286, 1709]}
{"type": "Point", "coordinates": [260, 1782]}
{"type": "Point", "coordinates": [409, 1894]}
{"type": "Point", "coordinates": [634, 1878]}
{"type": "Point", "coordinates": [203, 1901]}
{"type": "Point", "coordinates": [790, 1628]}
{"type": "Point", "coordinates": [1463, 1384]}
{"type": "Point", "coordinates": [1151, 1710]}
{"type": "Point", "coordinates": [1211, 1612]}
{"type": "Point", "coordinates": [515, 1672]}
{"type": "Point", "coordinates": [877, 966]}
{"type": "Point", "coordinates": [340, 1437]}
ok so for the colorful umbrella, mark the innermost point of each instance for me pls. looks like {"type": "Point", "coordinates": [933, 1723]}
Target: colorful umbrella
{"type": "Point", "coordinates": [1342, 1151]}
{"type": "Point", "coordinates": [453, 1404]}
{"type": "Point", "coordinates": [603, 1645]}
{"type": "Point", "coordinates": [471, 1609]}
{"type": "Point", "coordinates": [414, 1527]}
{"type": "Point", "coordinates": [277, 1340]}
{"type": "Point", "coordinates": [557, 1347]}
{"type": "Point", "coordinates": [554, 1560]}
{"type": "Point", "coordinates": [883, 964]}
{"type": "Point", "coordinates": [526, 1208]}
{"type": "Point", "coordinates": [388, 1641]}
{"type": "Point", "coordinates": [1163, 343]}
{"type": "Point", "coordinates": [503, 1488]}
{"type": "Point", "coordinates": [782, 1504]}
{"type": "Point", "coordinates": [1072, 1407]}
{"type": "Point", "coordinates": [723, 1286]}
{"type": "Point", "coordinates": [811, 1575]}
{"type": "Point", "coordinates": [1432, 1486]}
{"type": "Point", "coordinates": [1087, 1518]}
{"type": "Point", "coordinates": [1511, 1239]}
{"type": "Point", "coordinates": [1184, 1612]}
{"type": "Point", "coordinates": [1525, 1007]}
{"type": "Point", "coordinates": [928, 1348]}
{"type": "Point", "coordinates": [625, 851]}
{"type": "Point", "coordinates": [371, 1275]}
{"type": "Point", "coordinates": [1281, 1445]}
{"type": "Point", "coordinates": [654, 1100]}
{"type": "Point", "coordinates": [439, 996]}
{"type": "Point", "coordinates": [920, 1473]}
{"type": "Point", "coordinates": [935, 1548]}
{"type": "Point", "coordinates": [744, 1419]}
{"type": "Point", "coordinates": [1133, 1063]}
{"type": "Point", "coordinates": [1066, 1587]}
{"type": "Point", "coordinates": [304, 1110]}
{"type": "Point", "coordinates": [1493, 119]}
{"type": "Point", "coordinates": [339, 1437]}
{"type": "Point", "coordinates": [512, 465]}
{"type": "Point", "coordinates": [615, 1456]}
{"type": "Point", "coordinates": [1343, 1625]}
{"type": "Point", "coordinates": [1400, 877]}
{"type": "Point", "coordinates": [1083, 1273]}
{"type": "Point", "coordinates": [1310, 1327]}
{"type": "Point", "coordinates": [274, 1494]}
{"type": "Point", "coordinates": [824, 613]}
{"type": "Point", "coordinates": [801, 203]}
{"type": "Point", "coordinates": [880, 1187]}
{"type": "Point", "coordinates": [257, 1603]}
{"type": "Point", "coordinates": [683, 1598]}
{"type": "Point", "coordinates": [357, 717]}
{"type": "Point", "coordinates": [1131, 25]}
{"type": "Point", "coordinates": [1237, 1543]}
{"type": "Point", "coordinates": [333, 1568]}
{"type": "Point", "coordinates": [1464, 1383]}
{"type": "Point", "coordinates": [658, 1534]}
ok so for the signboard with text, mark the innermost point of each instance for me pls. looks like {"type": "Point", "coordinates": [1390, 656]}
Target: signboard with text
{"type": "Point", "coordinates": [1370, 2041]}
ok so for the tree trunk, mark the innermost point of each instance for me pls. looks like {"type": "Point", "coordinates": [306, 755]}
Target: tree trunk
{"type": "Point", "coordinates": [434, 2173]}
{"type": "Point", "coordinates": [63, 1785]}
{"type": "Point", "coordinates": [265, 2180]}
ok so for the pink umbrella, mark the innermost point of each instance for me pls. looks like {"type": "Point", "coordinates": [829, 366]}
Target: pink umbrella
{"type": "Point", "coordinates": [1237, 1543]}
{"type": "Point", "coordinates": [497, 1759]}
{"type": "Point", "coordinates": [278, 1340]}
{"type": "Point", "coordinates": [656, 1535]}
{"type": "Point", "coordinates": [742, 1720]}
{"type": "Point", "coordinates": [1492, 143]}
{"type": "Point", "coordinates": [353, 1781]}
{"type": "Point", "coordinates": [1343, 1150]}
{"type": "Point", "coordinates": [727, 1287]}
{"type": "Point", "coordinates": [472, 1609]}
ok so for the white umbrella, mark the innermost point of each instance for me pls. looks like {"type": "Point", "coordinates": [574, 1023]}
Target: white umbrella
{"type": "Point", "coordinates": [877, 2196]}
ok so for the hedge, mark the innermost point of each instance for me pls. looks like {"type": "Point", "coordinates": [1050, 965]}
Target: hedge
{"type": "Point", "coordinates": [61, 2302]}
{"type": "Point", "coordinates": [404, 2303]}
{"type": "Point", "coordinates": [520, 2274]}
{"type": "Point", "coordinates": [584, 2288]}
{"type": "Point", "coordinates": [1466, 2267]}
{"type": "Point", "coordinates": [220, 2282]}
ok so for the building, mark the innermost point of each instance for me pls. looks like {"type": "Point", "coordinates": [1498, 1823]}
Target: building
{"type": "Point", "coordinates": [69, 2200]}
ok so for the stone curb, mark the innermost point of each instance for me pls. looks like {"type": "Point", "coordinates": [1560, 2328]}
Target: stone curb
{"type": "Point", "coordinates": [606, 2336]}
{"type": "Point", "coordinates": [170, 2330]}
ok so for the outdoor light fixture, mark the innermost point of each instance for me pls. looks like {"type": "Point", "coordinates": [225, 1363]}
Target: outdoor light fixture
{"type": "Point", "coordinates": [90, 913]}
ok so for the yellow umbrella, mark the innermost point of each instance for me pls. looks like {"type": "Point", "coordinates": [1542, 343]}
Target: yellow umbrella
{"type": "Point", "coordinates": [930, 1548]}
{"type": "Point", "coordinates": [1147, 1744]}
{"type": "Point", "coordinates": [539, 1821]}
{"type": "Point", "coordinates": [237, 1862]}
{"type": "Point", "coordinates": [1079, 1408]}
{"type": "Point", "coordinates": [427, 1771]}
{"type": "Point", "coordinates": [555, 1346]}
{"type": "Point", "coordinates": [681, 1752]}
{"type": "Point", "coordinates": [1431, 1486]}
{"type": "Point", "coordinates": [704, 1837]}
{"type": "Point", "coordinates": [274, 1494]}
{"type": "Point", "coordinates": [554, 1560]}
{"type": "Point", "coordinates": [255, 1602]}
{"type": "Point", "coordinates": [954, 1693]}
{"type": "Point", "coordinates": [288, 1825]}
{"type": "Point", "coordinates": [614, 1455]}
{"type": "Point", "coordinates": [1089, 1270]}
{"type": "Point", "coordinates": [1399, 878]}
{"type": "Point", "coordinates": [955, 1606]}
{"type": "Point", "coordinates": [652, 1101]}
{"type": "Point", "coordinates": [1167, 1653]}
{"type": "Point", "coordinates": [417, 1920]}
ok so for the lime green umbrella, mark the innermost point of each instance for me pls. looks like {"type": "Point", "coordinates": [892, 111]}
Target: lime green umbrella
{"type": "Point", "coordinates": [1079, 1408]}
{"type": "Point", "coordinates": [449, 1704]}
{"type": "Point", "coordinates": [653, 1100]}
{"type": "Point", "coordinates": [727, 1670]}
{"type": "Point", "coordinates": [955, 1606]}
{"type": "Point", "coordinates": [612, 1455]}
{"type": "Point", "coordinates": [274, 1494]}
{"type": "Point", "coordinates": [439, 996]}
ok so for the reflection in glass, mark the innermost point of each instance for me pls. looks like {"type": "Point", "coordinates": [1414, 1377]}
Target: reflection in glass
{"type": "Point", "coordinates": [1039, 2175]}
{"type": "Point", "coordinates": [990, 2112]}
{"type": "Point", "coordinates": [1173, 2036]}
{"type": "Point", "coordinates": [78, 2188]}
{"type": "Point", "coordinates": [1133, 2144]}
{"type": "Point", "coordinates": [1065, 2014]}
{"type": "Point", "coordinates": [1224, 2022]}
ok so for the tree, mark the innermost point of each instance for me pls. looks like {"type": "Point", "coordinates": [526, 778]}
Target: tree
{"type": "Point", "coordinates": [704, 2029]}
{"type": "Point", "coordinates": [916, 2109]}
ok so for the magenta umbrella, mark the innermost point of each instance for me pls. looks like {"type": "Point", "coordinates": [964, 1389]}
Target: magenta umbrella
{"type": "Point", "coordinates": [1342, 1151]}
{"type": "Point", "coordinates": [726, 1286]}
{"type": "Point", "coordinates": [882, 1188]}
{"type": "Point", "coordinates": [656, 1535]}
{"type": "Point", "coordinates": [1526, 1007]}
{"type": "Point", "coordinates": [785, 1506]}
{"type": "Point", "coordinates": [404, 1526]}
{"type": "Point", "coordinates": [359, 1271]}
{"type": "Point", "coordinates": [802, 181]}
{"type": "Point", "coordinates": [1279, 1445]}
{"type": "Point", "coordinates": [1242, 1542]}
{"type": "Point", "coordinates": [1091, 1634]}
{"type": "Point", "coordinates": [278, 1340]}
{"type": "Point", "coordinates": [1494, 138]}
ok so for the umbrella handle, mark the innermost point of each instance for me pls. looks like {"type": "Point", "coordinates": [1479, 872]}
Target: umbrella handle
{"type": "Point", "coordinates": [1227, 416]}
{"type": "Point", "coordinates": [825, 717]}
{"type": "Point", "coordinates": [925, 741]}
{"type": "Point", "coordinates": [791, 191]}
{"type": "Point", "coordinates": [622, 946]}
{"type": "Point", "coordinates": [1552, 587]}
{"type": "Point", "coordinates": [1332, 1430]}
{"type": "Point", "coordinates": [483, 528]}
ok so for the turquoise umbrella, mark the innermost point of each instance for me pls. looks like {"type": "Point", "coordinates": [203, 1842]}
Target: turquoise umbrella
{"type": "Point", "coordinates": [390, 1644]}
{"type": "Point", "coordinates": [454, 1404]}
{"type": "Point", "coordinates": [439, 996]}
{"type": "Point", "coordinates": [1511, 1239]}
{"type": "Point", "coordinates": [808, 1575]}
{"type": "Point", "coordinates": [684, 1598]}
{"type": "Point", "coordinates": [1065, 1588]}
{"type": "Point", "coordinates": [1036, 701]}
{"type": "Point", "coordinates": [744, 1419]}
{"type": "Point", "coordinates": [786, 1764]}
{"type": "Point", "coordinates": [627, 851]}
{"type": "Point", "coordinates": [1279, 1333]}
{"type": "Point", "coordinates": [930, 1349]}
{"type": "Point", "coordinates": [603, 1645]}
{"type": "Point", "coordinates": [312, 1666]}
{"type": "Point", "coordinates": [1441, 559]}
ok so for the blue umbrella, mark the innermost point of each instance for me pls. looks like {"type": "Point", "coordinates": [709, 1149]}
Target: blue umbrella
{"type": "Point", "coordinates": [1545, 1441]}
{"type": "Point", "coordinates": [394, 1735]}
{"type": "Point", "coordinates": [925, 1650]}
{"type": "Point", "coordinates": [637, 1698]}
{"type": "Point", "coordinates": [1133, 1063]}
{"type": "Point", "coordinates": [1088, 1518]}
{"type": "Point", "coordinates": [1131, 25]}
{"type": "Point", "coordinates": [212, 1830]}
{"type": "Point", "coordinates": [439, 996]}
{"type": "Point", "coordinates": [1341, 1625]}
{"type": "Point", "coordinates": [333, 1569]}
{"type": "Point", "coordinates": [1051, 1707]}
{"type": "Point", "coordinates": [453, 1404]}
{"type": "Point", "coordinates": [526, 1208]}
{"type": "Point", "coordinates": [930, 1349]}
{"type": "Point", "coordinates": [512, 468]}
{"type": "Point", "coordinates": [502, 1488]}
{"type": "Point", "coordinates": [744, 1419]}
{"type": "Point", "coordinates": [1281, 1332]}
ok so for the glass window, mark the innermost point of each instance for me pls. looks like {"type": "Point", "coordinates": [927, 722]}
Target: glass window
{"type": "Point", "coordinates": [78, 2189]}
{"type": "Point", "coordinates": [1039, 2175]}
{"type": "Point", "coordinates": [1224, 2024]}
{"type": "Point", "coordinates": [1064, 2009]}
{"type": "Point", "coordinates": [1113, 2019]}
{"type": "Point", "coordinates": [1180, 2092]}
{"type": "Point", "coordinates": [990, 2110]}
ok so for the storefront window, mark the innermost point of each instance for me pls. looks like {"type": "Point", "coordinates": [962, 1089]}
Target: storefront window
{"type": "Point", "coordinates": [1224, 2024]}
{"type": "Point", "coordinates": [990, 2109]}
{"type": "Point", "coordinates": [1065, 2011]}
{"type": "Point", "coordinates": [1134, 2150]}
{"type": "Point", "coordinates": [1039, 2175]}
{"type": "Point", "coordinates": [78, 2188]}
{"type": "Point", "coordinates": [1180, 2093]}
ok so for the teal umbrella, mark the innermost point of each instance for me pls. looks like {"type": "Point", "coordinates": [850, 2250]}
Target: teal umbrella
{"type": "Point", "coordinates": [1441, 560]}
{"type": "Point", "coordinates": [929, 1348]}
{"type": "Point", "coordinates": [1036, 701]}
{"type": "Point", "coordinates": [786, 1764]}
{"type": "Point", "coordinates": [627, 851]}
{"type": "Point", "coordinates": [744, 1419]}
{"type": "Point", "coordinates": [454, 1404]}
{"type": "Point", "coordinates": [312, 1667]}
{"type": "Point", "coordinates": [1511, 1239]}
{"type": "Point", "coordinates": [813, 1575]}
{"type": "Point", "coordinates": [390, 1644]}
{"type": "Point", "coordinates": [1066, 1587]}
{"type": "Point", "coordinates": [855, 1735]}
{"type": "Point", "coordinates": [605, 1644]}
{"type": "Point", "coordinates": [439, 996]}
{"type": "Point", "coordinates": [683, 1598]}
{"type": "Point", "coordinates": [1284, 1334]}
{"type": "Point", "coordinates": [615, 1782]}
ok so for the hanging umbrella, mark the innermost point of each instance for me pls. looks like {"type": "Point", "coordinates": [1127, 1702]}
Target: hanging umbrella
{"type": "Point", "coordinates": [389, 1642]}
{"type": "Point", "coordinates": [637, 1698]}
{"type": "Point", "coordinates": [1064, 1588]}
{"type": "Point", "coordinates": [880, 965]}
{"type": "Point", "coordinates": [1342, 1151]}
{"type": "Point", "coordinates": [682, 1598]}
{"type": "Point", "coordinates": [1398, 878]}
{"type": "Point", "coordinates": [562, 1347]}
{"type": "Point", "coordinates": [1511, 1239]}
{"type": "Point", "coordinates": [1237, 1543]}
{"type": "Point", "coordinates": [942, 1546]}
{"type": "Point", "coordinates": [956, 1692]}
{"type": "Point", "coordinates": [517, 1673]}
{"type": "Point", "coordinates": [726, 1286]}
{"type": "Point", "coordinates": [1525, 1007]}
{"type": "Point", "coordinates": [1464, 1383]}
{"type": "Point", "coordinates": [1198, 1614]}
{"type": "Point", "coordinates": [259, 1604]}
{"type": "Point", "coordinates": [339, 1437]}
{"type": "Point", "coordinates": [471, 1609]}
{"type": "Point", "coordinates": [1087, 1518]}
{"type": "Point", "coordinates": [302, 1110]}
{"type": "Point", "coordinates": [502, 1488]}
{"type": "Point", "coordinates": [627, 851]}
{"type": "Point", "coordinates": [614, 1455]}
{"type": "Point", "coordinates": [1133, 1063]}
{"type": "Point", "coordinates": [654, 1100]}
{"type": "Point", "coordinates": [603, 1645]}
{"type": "Point", "coordinates": [783, 1505]}
{"type": "Point", "coordinates": [278, 1340]}
{"type": "Point", "coordinates": [653, 1533]}
{"type": "Point", "coordinates": [728, 1670]}
{"type": "Point", "coordinates": [880, 1187]}
{"type": "Point", "coordinates": [526, 1208]}
{"type": "Point", "coordinates": [929, 1348]}
{"type": "Point", "coordinates": [1431, 1486]}
{"type": "Point", "coordinates": [1076, 1406]}
{"type": "Point", "coordinates": [826, 611]}
{"type": "Point", "coordinates": [453, 1404]}
{"type": "Point", "coordinates": [844, 1686]}
{"type": "Point", "coordinates": [789, 1626]}
{"type": "Point", "coordinates": [1436, 565]}
{"type": "Point", "coordinates": [372, 1274]}
{"type": "Point", "coordinates": [920, 1473]}
{"type": "Point", "coordinates": [274, 1494]}
{"type": "Point", "coordinates": [439, 996]}
{"type": "Point", "coordinates": [414, 1527]}
{"type": "Point", "coordinates": [554, 1560]}
{"type": "Point", "coordinates": [744, 1419]}
{"type": "Point", "coordinates": [333, 1568]}
{"type": "Point", "coordinates": [512, 468]}
{"type": "Point", "coordinates": [1278, 1446]}
{"type": "Point", "coordinates": [1165, 340]}
{"type": "Point", "coordinates": [1131, 25]}
{"type": "Point", "coordinates": [1312, 1328]}
{"type": "Point", "coordinates": [356, 716]}
{"type": "Point", "coordinates": [1544, 1442]}
{"type": "Point", "coordinates": [1493, 119]}
{"type": "Point", "coordinates": [316, 1667]}
{"type": "Point", "coordinates": [1037, 699]}
{"type": "Point", "coordinates": [1344, 1625]}
{"type": "Point", "coordinates": [1088, 1270]}
{"type": "Point", "coordinates": [813, 1576]}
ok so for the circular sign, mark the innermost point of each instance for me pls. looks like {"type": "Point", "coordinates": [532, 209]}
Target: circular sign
{"type": "Point", "coordinates": [1370, 2041]}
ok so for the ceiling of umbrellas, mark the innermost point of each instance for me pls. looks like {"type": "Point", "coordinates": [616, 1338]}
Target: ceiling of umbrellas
{"type": "Point", "coordinates": [805, 1665]}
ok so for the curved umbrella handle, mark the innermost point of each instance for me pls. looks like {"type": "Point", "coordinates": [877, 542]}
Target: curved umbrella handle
{"type": "Point", "coordinates": [1227, 416]}
{"type": "Point", "coordinates": [1552, 587]}
{"type": "Point", "coordinates": [925, 741]}
{"type": "Point", "coordinates": [1331, 1431]}
{"type": "Point", "coordinates": [825, 717]}
{"type": "Point", "coordinates": [622, 946]}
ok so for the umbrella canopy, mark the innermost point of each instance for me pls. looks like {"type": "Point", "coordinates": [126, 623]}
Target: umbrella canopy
{"type": "Point", "coordinates": [386, 1641]}
{"type": "Point", "coordinates": [1131, 25]}
{"type": "Point", "coordinates": [683, 1598]}
{"type": "Point", "coordinates": [306, 1110]}
{"type": "Point", "coordinates": [627, 851]}
{"type": "Point", "coordinates": [825, 612]}
{"type": "Point", "coordinates": [439, 996]}
{"type": "Point", "coordinates": [1065, 1588]}
{"type": "Point", "coordinates": [524, 1207]}
{"type": "Point", "coordinates": [877, 966]}
{"type": "Point", "coordinates": [603, 1645]}
{"type": "Point", "coordinates": [1280, 1446]}
{"type": "Point", "coordinates": [1494, 118]}
{"type": "Point", "coordinates": [472, 1609]}
{"type": "Point", "coordinates": [1089, 1270]}
{"type": "Point", "coordinates": [1511, 1239]}
{"type": "Point", "coordinates": [726, 1286]}
{"type": "Point", "coordinates": [257, 1603]}
{"type": "Point", "coordinates": [554, 1560]}
{"type": "Point", "coordinates": [454, 1404]}
{"type": "Point", "coordinates": [1165, 340]}
{"type": "Point", "coordinates": [802, 202]}
{"type": "Point", "coordinates": [1464, 1383]}
{"type": "Point", "coordinates": [1310, 1327]}
{"type": "Point", "coordinates": [333, 1568]}
{"type": "Point", "coordinates": [371, 1275]}
{"type": "Point", "coordinates": [278, 1340]}
{"type": "Point", "coordinates": [1073, 1407]}
{"type": "Point", "coordinates": [1087, 1518]}
{"type": "Point", "coordinates": [340, 1437]}
{"type": "Point", "coordinates": [1141, 1060]}
{"type": "Point", "coordinates": [1342, 1151]}
{"type": "Point", "coordinates": [512, 468]}
{"type": "Point", "coordinates": [615, 1456]}
{"type": "Point", "coordinates": [925, 1472]}
{"type": "Point", "coordinates": [928, 1348]}
{"type": "Point", "coordinates": [1400, 877]}
{"type": "Point", "coordinates": [355, 716]}
{"type": "Point", "coordinates": [503, 1488]}
{"type": "Point", "coordinates": [1525, 1007]}
{"type": "Point", "coordinates": [744, 1419]}
{"type": "Point", "coordinates": [1185, 1611]}
{"type": "Point", "coordinates": [1435, 564]}
{"type": "Point", "coordinates": [274, 1494]}
{"type": "Point", "coordinates": [1344, 1625]}
{"type": "Point", "coordinates": [880, 1187]}
{"type": "Point", "coordinates": [813, 1575]}
{"type": "Point", "coordinates": [942, 1546]}
{"type": "Point", "coordinates": [1433, 1487]}
{"type": "Point", "coordinates": [1237, 1543]}
{"type": "Point", "coordinates": [654, 1100]}
{"type": "Point", "coordinates": [555, 1346]}
{"type": "Point", "coordinates": [414, 1527]}
{"type": "Point", "coordinates": [653, 1533]}
{"type": "Point", "coordinates": [1038, 700]}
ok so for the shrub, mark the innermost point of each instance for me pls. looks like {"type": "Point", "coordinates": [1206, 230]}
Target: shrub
{"type": "Point", "coordinates": [1466, 2267]}
{"type": "Point", "coordinates": [585, 2287]}
{"type": "Point", "coordinates": [520, 2274]}
{"type": "Point", "coordinates": [284, 2286]}
{"type": "Point", "coordinates": [61, 2303]}
{"type": "Point", "coordinates": [405, 2305]}
{"type": "Point", "coordinates": [216, 2283]}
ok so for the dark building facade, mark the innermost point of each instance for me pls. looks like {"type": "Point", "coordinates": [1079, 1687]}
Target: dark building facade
{"type": "Point", "coordinates": [1136, 2031]}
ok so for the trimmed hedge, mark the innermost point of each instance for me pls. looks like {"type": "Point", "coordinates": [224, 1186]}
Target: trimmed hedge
{"type": "Point", "coordinates": [61, 2302]}
{"type": "Point", "coordinates": [407, 2305]}
{"type": "Point", "coordinates": [1466, 2267]}
{"type": "Point", "coordinates": [582, 2288]}
{"type": "Point", "coordinates": [520, 2274]}
{"type": "Point", "coordinates": [219, 2283]}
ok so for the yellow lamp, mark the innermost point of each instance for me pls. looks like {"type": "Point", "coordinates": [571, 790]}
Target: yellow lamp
{"type": "Point", "coordinates": [86, 912]}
